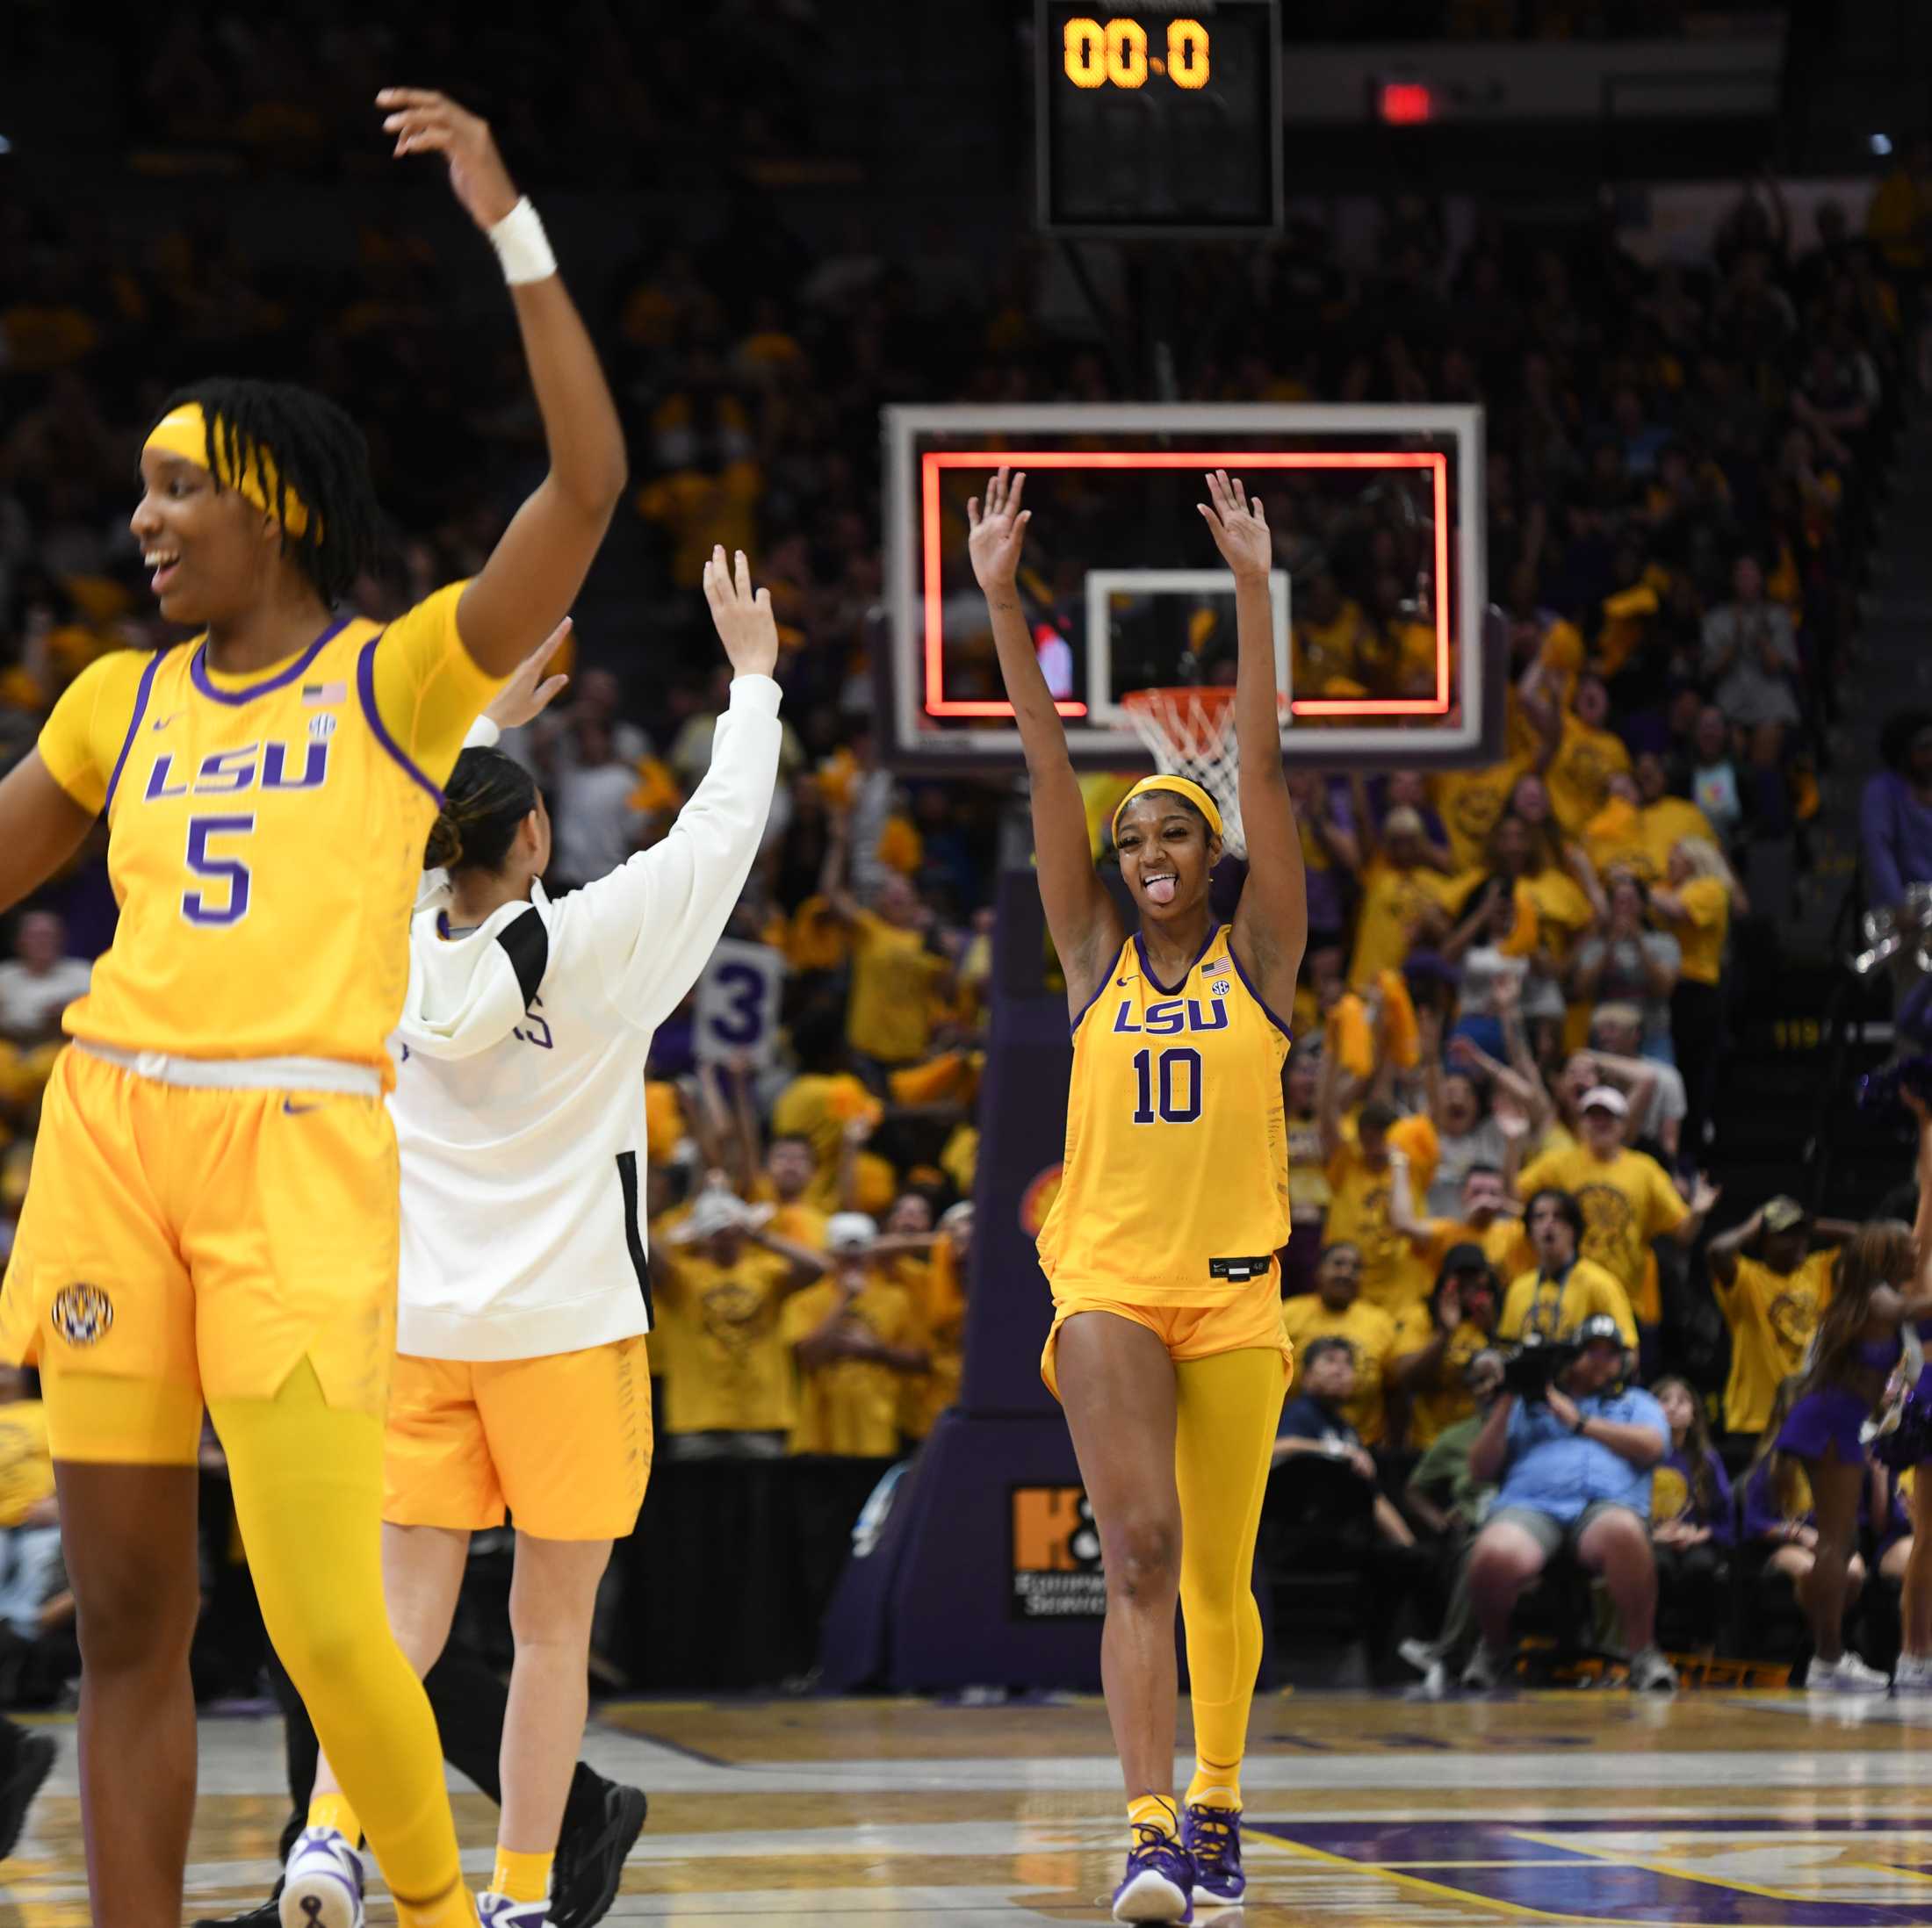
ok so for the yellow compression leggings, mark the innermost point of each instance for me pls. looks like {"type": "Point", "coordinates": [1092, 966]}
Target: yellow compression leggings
{"type": "Point", "coordinates": [307, 1484]}
{"type": "Point", "coordinates": [1227, 1409]}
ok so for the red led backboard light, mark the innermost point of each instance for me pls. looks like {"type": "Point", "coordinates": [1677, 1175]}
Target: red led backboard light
{"type": "Point", "coordinates": [1246, 461]}
{"type": "Point", "coordinates": [1407, 104]}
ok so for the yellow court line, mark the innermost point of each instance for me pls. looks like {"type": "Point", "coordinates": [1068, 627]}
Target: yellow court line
{"type": "Point", "coordinates": [1889, 1867]}
{"type": "Point", "coordinates": [1735, 1886]}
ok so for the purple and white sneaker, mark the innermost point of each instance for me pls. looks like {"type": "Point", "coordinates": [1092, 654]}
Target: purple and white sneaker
{"type": "Point", "coordinates": [495, 1911]}
{"type": "Point", "coordinates": [1159, 1885]}
{"type": "Point", "coordinates": [322, 1885]}
{"type": "Point", "coordinates": [1212, 1836]}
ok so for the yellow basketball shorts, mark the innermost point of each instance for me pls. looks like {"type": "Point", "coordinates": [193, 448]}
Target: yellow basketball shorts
{"type": "Point", "coordinates": [562, 1442]}
{"type": "Point", "coordinates": [199, 1244]}
{"type": "Point", "coordinates": [1250, 1321]}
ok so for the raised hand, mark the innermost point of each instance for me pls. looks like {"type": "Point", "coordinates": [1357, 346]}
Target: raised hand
{"type": "Point", "coordinates": [1703, 1194]}
{"type": "Point", "coordinates": [745, 623]}
{"type": "Point", "coordinates": [999, 532]}
{"type": "Point", "coordinates": [529, 692]}
{"type": "Point", "coordinates": [426, 122]}
{"type": "Point", "coordinates": [1238, 526]}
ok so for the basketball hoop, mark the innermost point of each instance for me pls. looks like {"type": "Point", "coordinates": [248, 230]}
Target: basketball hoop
{"type": "Point", "coordinates": [1190, 733]}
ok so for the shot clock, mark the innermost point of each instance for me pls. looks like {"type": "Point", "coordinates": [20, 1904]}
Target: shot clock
{"type": "Point", "coordinates": [1158, 120]}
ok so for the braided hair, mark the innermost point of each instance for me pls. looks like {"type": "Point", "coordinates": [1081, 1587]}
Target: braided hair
{"type": "Point", "coordinates": [318, 454]}
{"type": "Point", "coordinates": [488, 795]}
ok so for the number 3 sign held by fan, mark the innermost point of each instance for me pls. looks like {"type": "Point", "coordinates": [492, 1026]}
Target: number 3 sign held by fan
{"type": "Point", "coordinates": [738, 1004]}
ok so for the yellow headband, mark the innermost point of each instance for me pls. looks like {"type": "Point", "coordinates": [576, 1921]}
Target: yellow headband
{"type": "Point", "coordinates": [184, 432]}
{"type": "Point", "coordinates": [1181, 787]}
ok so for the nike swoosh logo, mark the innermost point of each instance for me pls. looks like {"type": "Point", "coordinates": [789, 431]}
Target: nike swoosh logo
{"type": "Point", "coordinates": [290, 1109]}
{"type": "Point", "coordinates": [162, 722]}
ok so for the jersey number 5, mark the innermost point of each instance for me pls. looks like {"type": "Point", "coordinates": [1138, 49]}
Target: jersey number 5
{"type": "Point", "coordinates": [222, 896]}
{"type": "Point", "coordinates": [1179, 1094]}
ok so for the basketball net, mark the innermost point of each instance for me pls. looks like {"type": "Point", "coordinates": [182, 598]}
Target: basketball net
{"type": "Point", "coordinates": [1190, 733]}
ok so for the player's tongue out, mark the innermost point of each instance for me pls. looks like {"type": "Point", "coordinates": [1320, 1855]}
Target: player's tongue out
{"type": "Point", "coordinates": [1160, 887]}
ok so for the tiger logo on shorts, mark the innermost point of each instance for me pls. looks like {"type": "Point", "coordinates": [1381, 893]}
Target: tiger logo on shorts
{"type": "Point", "coordinates": [82, 1315]}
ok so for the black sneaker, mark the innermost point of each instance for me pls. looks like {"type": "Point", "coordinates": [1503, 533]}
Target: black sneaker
{"type": "Point", "coordinates": [32, 1762]}
{"type": "Point", "coordinates": [591, 1850]}
{"type": "Point", "coordinates": [269, 1914]}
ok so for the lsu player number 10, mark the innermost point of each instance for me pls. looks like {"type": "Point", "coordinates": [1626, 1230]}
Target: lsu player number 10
{"type": "Point", "coordinates": [213, 1214]}
{"type": "Point", "coordinates": [1167, 1347]}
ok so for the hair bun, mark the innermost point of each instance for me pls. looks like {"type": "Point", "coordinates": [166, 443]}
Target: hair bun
{"type": "Point", "coordinates": [444, 849]}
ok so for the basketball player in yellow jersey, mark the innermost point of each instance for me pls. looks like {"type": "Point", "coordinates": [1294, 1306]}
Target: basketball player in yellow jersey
{"type": "Point", "coordinates": [1167, 1347]}
{"type": "Point", "coordinates": [213, 1211]}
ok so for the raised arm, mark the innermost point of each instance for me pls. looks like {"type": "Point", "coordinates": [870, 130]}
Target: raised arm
{"type": "Point", "coordinates": [745, 1139]}
{"type": "Point", "coordinates": [1704, 1195]}
{"type": "Point", "coordinates": [1545, 712]}
{"type": "Point", "coordinates": [539, 564]}
{"type": "Point", "coordinates": [654, 921]}
{"type": "Point", "coordinates": [1723, 1252]}
{"type": "Point", "coordinates": [1272, 926]}
{"type": "Point", "coordinates": [1328, 1102]}
{"type": "Point", "coordinates": [1080, 914]}
{"type": "Point", "coordinates": [807, 1265]}
{"type": "Point", "coordinates": [836, 870]}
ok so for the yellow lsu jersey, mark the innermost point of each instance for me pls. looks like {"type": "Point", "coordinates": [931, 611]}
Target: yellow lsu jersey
{"type": "Point", "coordinates": [265, 834]}
{"type": "Point", "coordinates": [1175, 1188]}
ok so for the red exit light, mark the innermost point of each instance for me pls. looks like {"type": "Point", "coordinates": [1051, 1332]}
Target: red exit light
{"type": "Point", "coordinates": [1407, 104]}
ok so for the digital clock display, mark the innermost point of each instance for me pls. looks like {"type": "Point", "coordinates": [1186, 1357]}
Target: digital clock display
{"type": "Point", "coordinates": [1158, 118]}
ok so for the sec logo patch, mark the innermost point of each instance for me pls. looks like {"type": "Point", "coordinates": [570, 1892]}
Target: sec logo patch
{"type": "Point", "coordinates": [82, 1315]}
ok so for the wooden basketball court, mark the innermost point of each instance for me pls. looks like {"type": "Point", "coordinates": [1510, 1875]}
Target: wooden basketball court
{"type": "Point", "coordinates": [1575, 1807]}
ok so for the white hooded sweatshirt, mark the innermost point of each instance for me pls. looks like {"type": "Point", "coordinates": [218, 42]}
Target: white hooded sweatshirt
{"type": "Point", "coordinates": [519, 1098]}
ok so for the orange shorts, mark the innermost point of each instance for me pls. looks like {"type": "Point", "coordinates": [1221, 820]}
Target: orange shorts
{"type": "Point", "coordinates": [192, 1245]}
{"type": "Point", "coordinates": [1243, 1324]}
{"type": "Point", "coordinates": [562, 1442]}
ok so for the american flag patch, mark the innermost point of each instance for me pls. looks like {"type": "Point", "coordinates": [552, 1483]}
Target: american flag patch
{"type": "Point", "coordinates": [313, 695]}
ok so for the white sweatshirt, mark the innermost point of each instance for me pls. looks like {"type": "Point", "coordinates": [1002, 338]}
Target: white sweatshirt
{"type": "Point", "coordinates": [519, 1099]}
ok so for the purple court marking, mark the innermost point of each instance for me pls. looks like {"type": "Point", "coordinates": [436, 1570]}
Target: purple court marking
{"type": "Point", "coordinates": [1567, 1885]}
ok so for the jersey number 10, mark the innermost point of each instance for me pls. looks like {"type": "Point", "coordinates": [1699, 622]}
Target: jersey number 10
{"type": "Point", "coordinates": [1179, 1094]}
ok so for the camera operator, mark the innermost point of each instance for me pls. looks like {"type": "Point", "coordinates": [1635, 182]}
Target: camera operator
{"type": "Point", "coordinates": [1574, 1466]}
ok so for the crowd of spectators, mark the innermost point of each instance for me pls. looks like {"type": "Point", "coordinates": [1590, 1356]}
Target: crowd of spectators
{"type": "Point", "coordinates": [1510, 1030]}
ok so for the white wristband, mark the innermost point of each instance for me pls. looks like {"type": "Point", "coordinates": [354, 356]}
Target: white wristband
{"type": "Point", "coordinates": [523, 246]}
{"type": "Point", "coordinates": [484, 734]}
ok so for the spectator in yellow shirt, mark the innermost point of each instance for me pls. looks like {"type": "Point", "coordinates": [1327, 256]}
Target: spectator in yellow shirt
{"type": "Point", "coordinates": [1335, 1309]}
{"type": "Point", "coordinates": [1772, 1302]}
{"type": "Point", "coordinates": [1695, 906]}
{"type": "Point", "coordinates": [1331, 636]}
{"type": "Point", "coordinates": [818, 1104]}
{"type": "Point", "coordinates": [1405, 900]}
{"type": "Point", "coordinates": [1360, 1175]}
{"type": "Point", "coordinates": [852, 1336]}
{"type": "Point", "coordinates": [1436, 1342]}
{"type": "Point", "coordinates": [1488, 1219]}
{"type": "Point", "coordinates": [1565, 1288]}
{"type": "Point", "coordinates": [896, 973]}
{"type": "Point", "coordinates": [720, 1291]}
{"type": "Point", "coordinates": [1583, 755]}
{"type": "Point", "coordinates": [784, 1184]}
{"type": "Point", "coordinates": [1664, 820]}
{"type": "Point", "coordinates": [1471, 804]}
{"type": "Point", "coordinates": [1627, 1197]}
